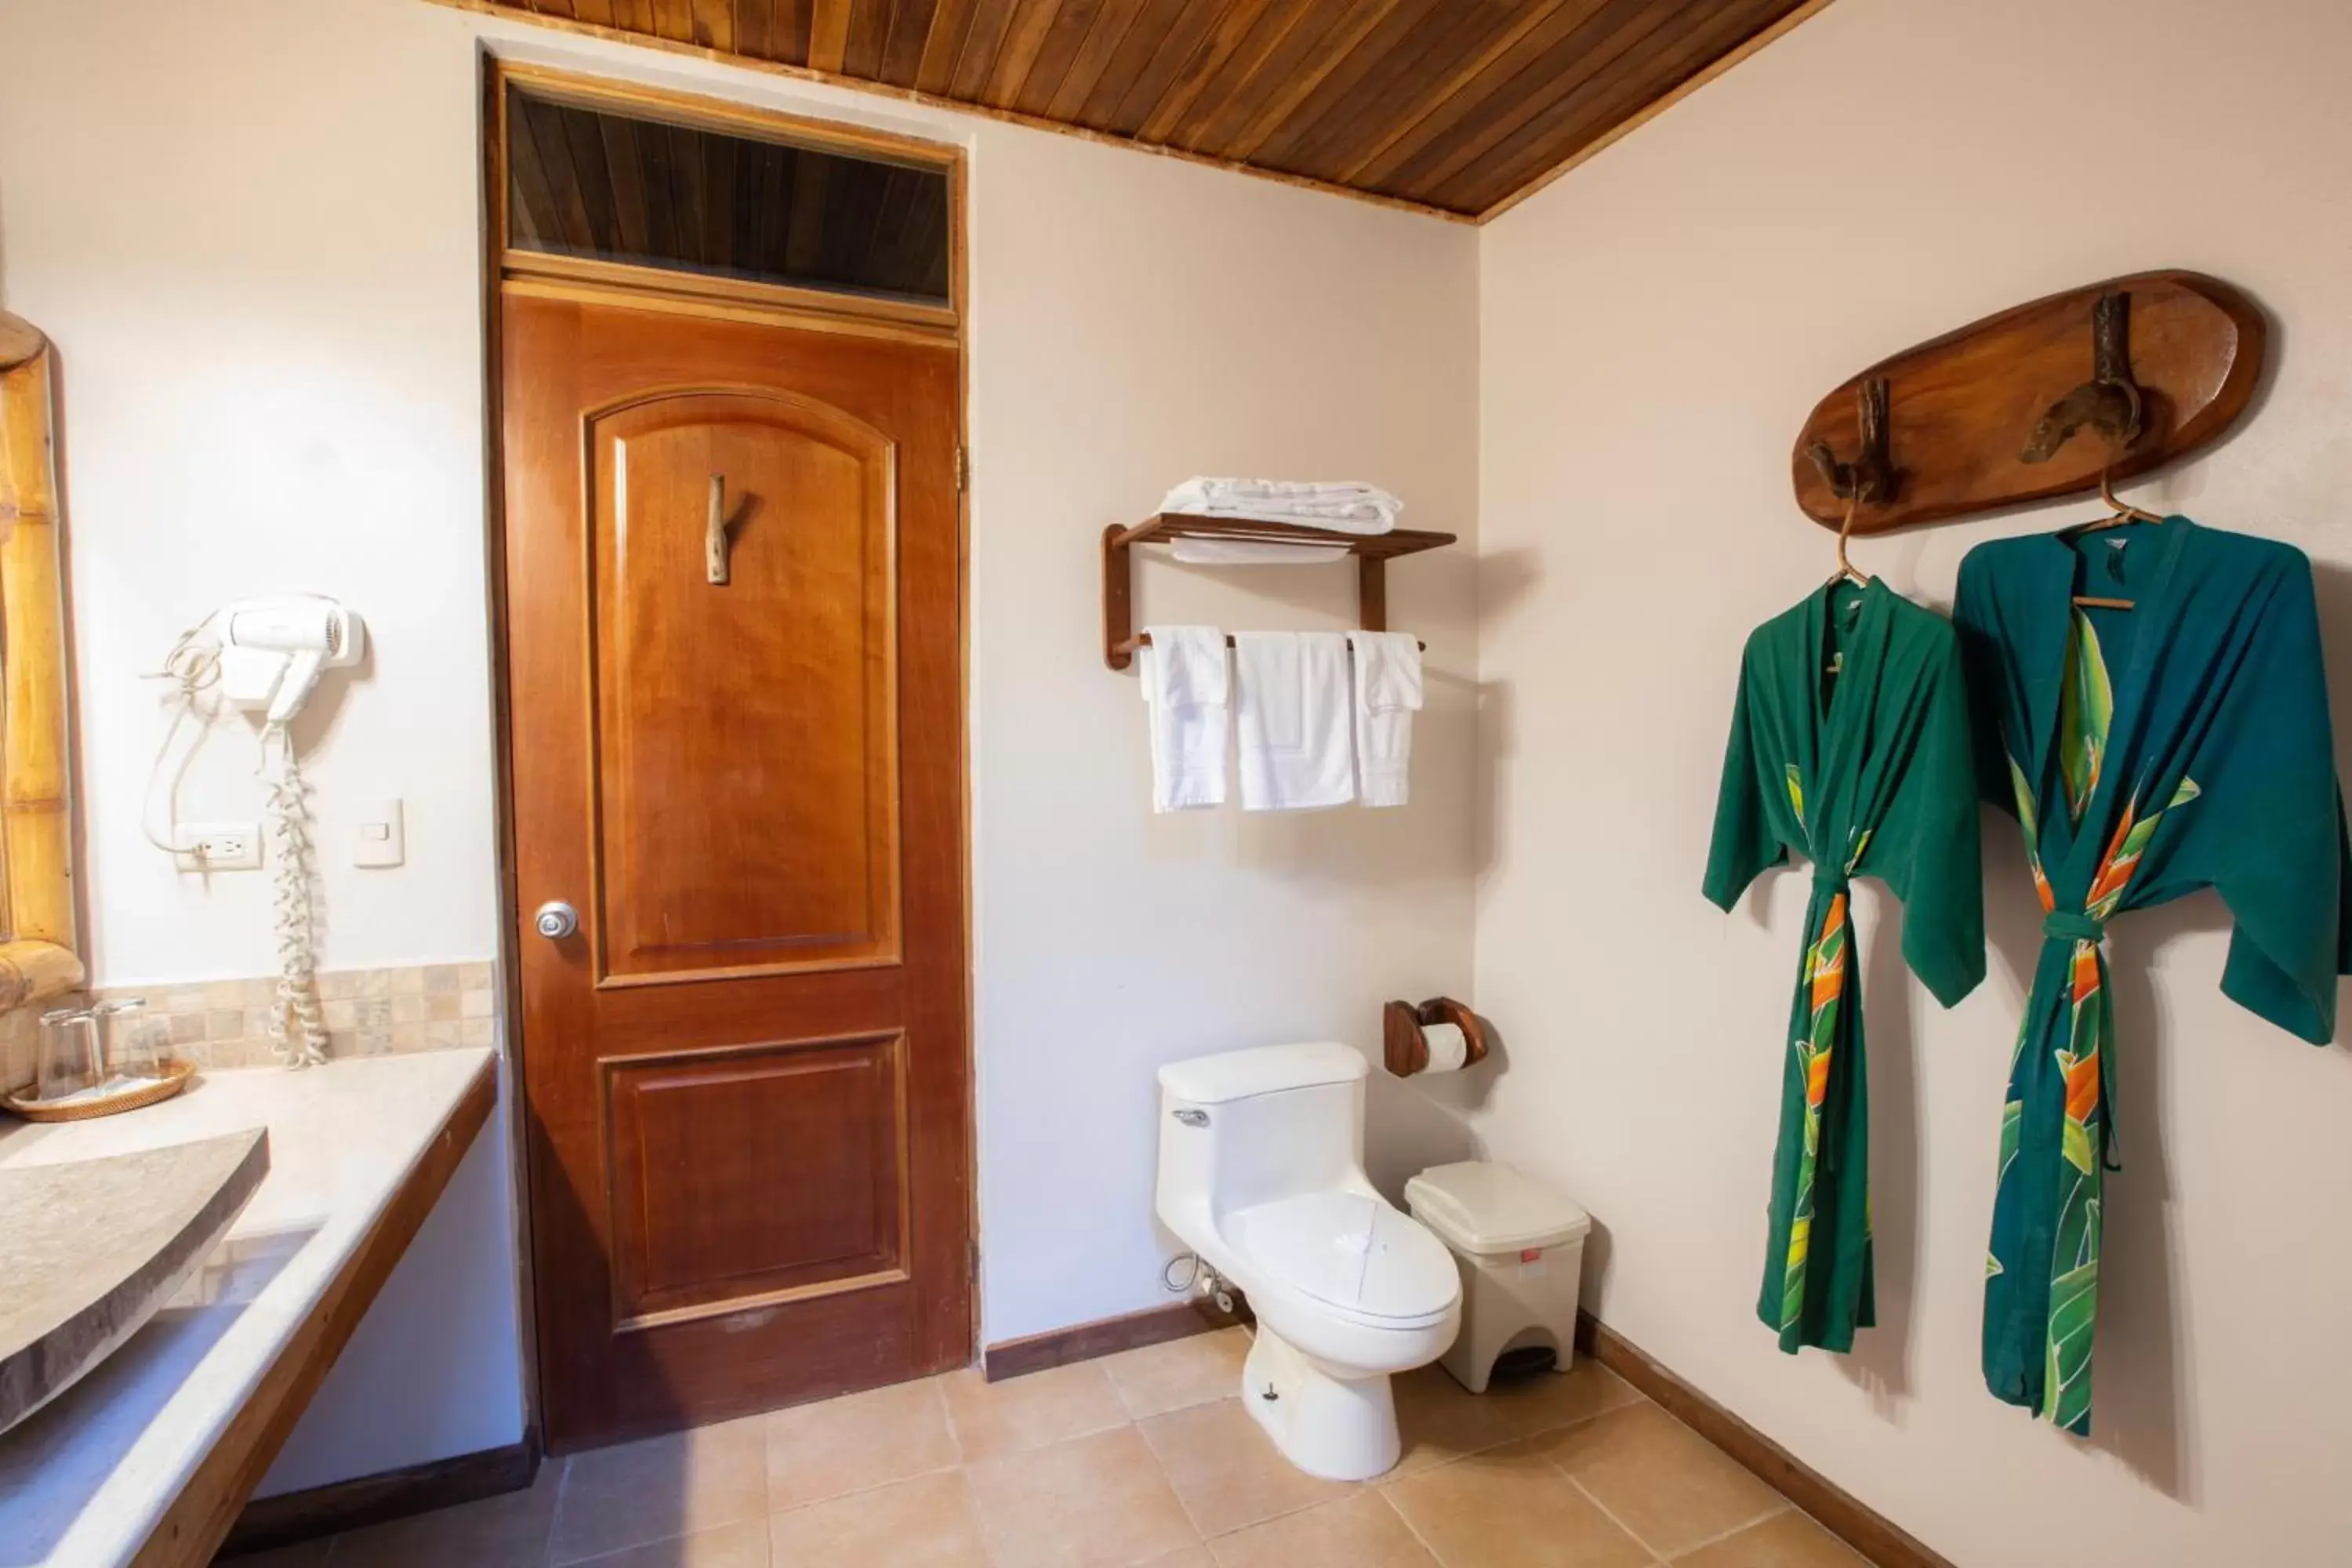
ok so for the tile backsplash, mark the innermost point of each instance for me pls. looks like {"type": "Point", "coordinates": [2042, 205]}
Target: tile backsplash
{"type": "Point", "coordinates": [225, 1023]}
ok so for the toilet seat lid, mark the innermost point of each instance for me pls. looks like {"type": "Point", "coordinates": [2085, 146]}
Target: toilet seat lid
{"type": "Point", "coordinates": [1351, 1251]}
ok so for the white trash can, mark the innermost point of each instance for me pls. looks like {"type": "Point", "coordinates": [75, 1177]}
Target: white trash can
{"type": "Point", "coordinates": [1521, 1247]}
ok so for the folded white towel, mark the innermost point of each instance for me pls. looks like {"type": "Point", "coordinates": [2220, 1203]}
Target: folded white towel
{"type": "Point", "coordinates": [1253, 552]}
{"type": "Point", "coordinates": [1344, 508]}
{"type": "Point", "coordinates": [1284, 492]}
{"type": "Point", "coordinates": [1185, 680]}
{"type": "Point", "coordinates": [1291, 709]}
{"type": "Point", "coordinates": [1388, 692]}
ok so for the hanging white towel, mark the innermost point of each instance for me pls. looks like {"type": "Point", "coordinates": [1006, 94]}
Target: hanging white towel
{"type": "Point", "coordinates": [1291, 706]}
{"type": "Point", "coordinates": [1253, 552]}
{"type": "Point", "coordinates": [1343, 506]}
{"type": "Point", "coordinates": [1186, 682]}
{"type": "Point", "coordinates": [1388, 692]}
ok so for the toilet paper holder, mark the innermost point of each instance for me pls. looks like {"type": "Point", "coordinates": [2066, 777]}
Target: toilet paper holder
{"type": "Point", "coordinates": [1406, 1048]}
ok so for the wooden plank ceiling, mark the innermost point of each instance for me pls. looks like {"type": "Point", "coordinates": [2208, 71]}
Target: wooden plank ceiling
{"type": "Point", "coordinates": [1456, 106]}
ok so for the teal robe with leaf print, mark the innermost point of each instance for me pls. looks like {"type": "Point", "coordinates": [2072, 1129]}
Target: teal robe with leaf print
{"type": "Point", "coordinates": [1866, 772]}
{"type": "Point", "coordinates": [2182, 743]}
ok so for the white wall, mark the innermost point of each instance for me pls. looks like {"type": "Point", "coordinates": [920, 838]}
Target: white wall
{"type": "Point", "coordinates": [251, 227]}
{"type": "Point", "coordinates": [1655, 329]}
{"type": "Point", "coordinates": [1159, 321]}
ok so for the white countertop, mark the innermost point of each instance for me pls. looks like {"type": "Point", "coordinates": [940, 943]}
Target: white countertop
{"type": "Point", "coordinates": [83, 1480]}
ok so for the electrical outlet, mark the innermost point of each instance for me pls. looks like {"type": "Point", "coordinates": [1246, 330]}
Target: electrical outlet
{"type": "Point", "coordinates": [220, 847]}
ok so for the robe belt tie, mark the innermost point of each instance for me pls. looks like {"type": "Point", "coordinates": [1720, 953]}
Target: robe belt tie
{"type": "Point", "coordinates": [2065, 925]}
{"type": "Point", "coordinates": [1831, 882]}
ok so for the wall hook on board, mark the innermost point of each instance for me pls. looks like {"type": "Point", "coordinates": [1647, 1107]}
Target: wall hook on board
{"type": "Point", "coordinates": [1872, 476]}
{"type": "Point", "coordinates": [2109, 403]}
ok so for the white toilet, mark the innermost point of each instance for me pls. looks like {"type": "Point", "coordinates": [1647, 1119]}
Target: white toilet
{"type": "Point", "coordinates": [1262, 1173]}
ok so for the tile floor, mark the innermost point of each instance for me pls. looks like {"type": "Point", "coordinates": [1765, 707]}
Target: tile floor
{"type": "Point", "coordinates": [1145, 1459]}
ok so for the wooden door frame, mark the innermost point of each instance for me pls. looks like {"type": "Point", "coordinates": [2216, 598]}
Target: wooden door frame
{"type": "Point", "coordinates": [698, 295]}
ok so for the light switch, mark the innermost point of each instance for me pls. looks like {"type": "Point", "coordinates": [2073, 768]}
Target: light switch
{"type": "Point", "coordinates": [382, 839]}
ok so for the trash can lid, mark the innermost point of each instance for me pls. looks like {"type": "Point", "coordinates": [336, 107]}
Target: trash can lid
{"type": "Point", "coordinates": [1484, 1206]}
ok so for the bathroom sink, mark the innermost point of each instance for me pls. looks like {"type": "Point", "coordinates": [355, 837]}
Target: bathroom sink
{"type": "Point", "coordinates": [91, 1248]}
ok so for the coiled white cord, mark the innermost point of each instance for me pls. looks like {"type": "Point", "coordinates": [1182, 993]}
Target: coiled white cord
{"type": "Point", "coordinates": [298, 1025]}
{"type": "Point", "coordinates": [194, 667]}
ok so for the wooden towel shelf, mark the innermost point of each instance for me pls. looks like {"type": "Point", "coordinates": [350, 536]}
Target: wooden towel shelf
{"type": "Point", "coordinates": [1372, 551]}
{"type": "Point", "coordinates": [1143, 639]}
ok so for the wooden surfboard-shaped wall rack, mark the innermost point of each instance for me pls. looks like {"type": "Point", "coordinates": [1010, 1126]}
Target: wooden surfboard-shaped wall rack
{"type": "Point", "coordinates": [2034, 402]}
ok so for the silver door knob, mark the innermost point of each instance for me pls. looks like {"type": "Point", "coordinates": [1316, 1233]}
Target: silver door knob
{"type": "Point", "coordinates": [556, 920]}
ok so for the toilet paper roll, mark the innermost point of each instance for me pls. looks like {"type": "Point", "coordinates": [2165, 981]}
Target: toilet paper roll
{"type": "Point", "coordinates": [1448, 1050]}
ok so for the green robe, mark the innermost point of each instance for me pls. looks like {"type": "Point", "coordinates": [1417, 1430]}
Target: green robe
{"type": "Point", "coordinates": [2182, 743]}
{"type": "Point", "coordinates": [1867, 771]}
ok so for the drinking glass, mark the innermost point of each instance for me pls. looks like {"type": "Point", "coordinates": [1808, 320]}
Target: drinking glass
{"type": "Point", "coordinates": [70, 1057]}
{"type": "Point", "coordinates": [133, 1044]}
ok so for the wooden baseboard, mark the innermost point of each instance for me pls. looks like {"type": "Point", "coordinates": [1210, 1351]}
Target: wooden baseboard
{"type": "Point", "coordinates": [1108, 1336]}
{"type": "Point", "coordinates": [1867, 1532]}
{"type": "Point", "coordinates": [291, 1518]}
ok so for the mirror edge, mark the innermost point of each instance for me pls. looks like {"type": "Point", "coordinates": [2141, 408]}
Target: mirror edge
{"type": "Point", "coordinates": [40, 958]}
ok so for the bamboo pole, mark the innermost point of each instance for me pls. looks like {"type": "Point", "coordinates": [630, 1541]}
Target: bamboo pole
{"type": "Point", "coordinates": [37, 904]}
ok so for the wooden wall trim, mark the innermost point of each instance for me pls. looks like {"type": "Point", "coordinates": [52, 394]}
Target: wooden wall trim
{"type": "Point", "coordinates": [291, 1518]}
{"type": "Point", "coordinates": [1866, 1529]}
{"type": "Point", "coordinates": [517, 13]}
{"type": "Point", "coordinates": [1108, 1336]}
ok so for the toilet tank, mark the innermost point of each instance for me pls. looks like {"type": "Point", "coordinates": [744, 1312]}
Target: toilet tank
{"type": "Point", "coordinates": [1245, 1127]}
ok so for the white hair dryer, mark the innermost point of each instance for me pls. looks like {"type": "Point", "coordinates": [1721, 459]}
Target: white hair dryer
{"type": "Point", "coordinates": [266, 655]}
{"type": "Point", "coordinates": [273, 650]}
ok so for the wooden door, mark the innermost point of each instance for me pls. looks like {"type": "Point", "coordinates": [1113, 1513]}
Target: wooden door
{"type": "Point", "coordinates": [746, 1072]}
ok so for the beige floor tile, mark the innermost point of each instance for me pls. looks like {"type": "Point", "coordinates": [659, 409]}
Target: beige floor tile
{"type": "Point", "coordinates": [1191, 1371]}
{"type": "Point", "coordinates": [1552, 1399]}
{"type": "Point", "coordinates": [661, 1488]}
{"type": "Point", "coordinates": [1439, 1420]}
{"type": "Point", "coordinates": [1099, 1501]}
{"type": "Point", "coordinates": [1785, 1540]}
{"type": "Point", "coordinates": [993, 1418]}
{"type": "Point", "coordinates": [506, 1532]}
{"type": "Point", "coordinates": [743, 1544]}
{"type": "Point", "coordinates": [927, 1522]}
{"type": "Point", "coordinates": [1184, 1557]}
{"type": "Point", "coordinates": [1360, 1531]}
{"type": "Point", "coordinates": [1659, 1478]}
{"type": "Point", "coordinates": [857, 1442]}
{"type": "Point", "coordinates": [1227, 1470]}
{"type": "Point", "coordinates": [1510, 1508]}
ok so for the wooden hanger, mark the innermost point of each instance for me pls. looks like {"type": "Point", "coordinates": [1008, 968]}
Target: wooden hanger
{"type": "Point", "coordinates": [2120, 512]}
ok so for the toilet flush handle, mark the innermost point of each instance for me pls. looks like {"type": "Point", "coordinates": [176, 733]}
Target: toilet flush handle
{"type": "Point", "coordinates": [1190, 1117]}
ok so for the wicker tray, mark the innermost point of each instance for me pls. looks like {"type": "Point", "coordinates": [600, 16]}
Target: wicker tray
{"type": "Point", "coordinates": [176, 1078]}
